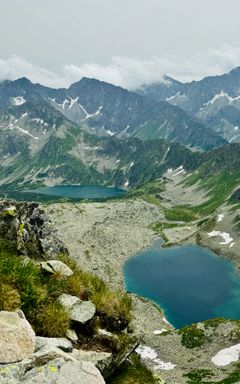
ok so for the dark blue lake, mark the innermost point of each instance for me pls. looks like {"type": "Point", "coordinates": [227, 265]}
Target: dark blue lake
{"type": "Point", "coordinates": [188, 282]}
{"type": "Point", "coordinates": [80, 191]}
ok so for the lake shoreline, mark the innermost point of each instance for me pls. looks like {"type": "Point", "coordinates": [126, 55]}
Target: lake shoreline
{"type": "Point", "coordinates": [102, 237]}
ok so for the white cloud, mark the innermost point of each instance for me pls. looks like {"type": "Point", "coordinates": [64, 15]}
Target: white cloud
{"type": "Point", "coordinates": [16, 67]}
{"type": "Point", "coordinates": [127, 72]}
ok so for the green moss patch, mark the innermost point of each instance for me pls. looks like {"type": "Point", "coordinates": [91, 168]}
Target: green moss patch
{"type": "Point", "coordinates": [192, 337]}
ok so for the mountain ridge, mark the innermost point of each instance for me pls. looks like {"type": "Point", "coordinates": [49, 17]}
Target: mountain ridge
{"type": "Point", "coordinates": [105, 109]}
{"type": "Point", "coordinates": [205, 100]}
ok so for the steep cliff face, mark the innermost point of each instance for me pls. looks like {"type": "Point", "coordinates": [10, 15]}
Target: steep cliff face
{"type": "Point", "coordinates": [26, 228]}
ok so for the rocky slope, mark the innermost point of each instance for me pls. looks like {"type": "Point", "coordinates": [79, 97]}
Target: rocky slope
{"type": "Point", "coordinates": [103, 235]}
{"type": "Point", "coordinates": [68, 333]}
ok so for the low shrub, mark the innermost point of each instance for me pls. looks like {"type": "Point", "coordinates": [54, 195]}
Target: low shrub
{"type": "Point", "coordinates": [9, 298]}
{"type": "Point", "coordinates": [52, 320]}
{"type": "Point", "coordinates": [114, 306]}
{"type": "Point", "coordinates": [192, 337]}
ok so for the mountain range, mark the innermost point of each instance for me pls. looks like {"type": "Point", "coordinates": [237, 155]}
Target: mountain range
{"type": "Point", "coordinates": [95, 132]}
{"type": "Point", "coordinates": [214, 100]}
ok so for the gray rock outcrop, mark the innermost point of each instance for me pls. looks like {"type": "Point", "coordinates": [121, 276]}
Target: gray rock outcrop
{"type": "Point", "coordinates": [79, 311]}
{"type": "Point", "coordinates": [61, 372]}
{"type": "Point", "coordinates": [43, 343]}
{"type": "Point", "coordinates": [26, 227]}
{"type": "Point", "coordinates": [17, 338]}
{"type": "Point", "coordinates": [53, 367]}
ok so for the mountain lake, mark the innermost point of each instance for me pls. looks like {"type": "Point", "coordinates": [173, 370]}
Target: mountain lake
{"type": "Point", "coordinates": [64, 192]}
{"type": "Point", "coordinates": [81, 191]}
{"type": "Point", "coordinates": [188, 282]}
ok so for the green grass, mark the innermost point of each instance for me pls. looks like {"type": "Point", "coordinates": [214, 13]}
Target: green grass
{"type": "Point", "coordinates": [215, 322]}
{"type": "Point", "coordinates": [180, 213]}
{"type": "Point", "coordinates": [113, 306]}
{"type": "Point", "coordinates": [218, 189]}
{"type": "Point", "coordinates": [52, 319]}
{"type": "Point", "coordinates": [200, 377]}
{"type": "Point", "coordinates": [24, 285]}
{"type": "Point", "coordinates": [148, 191]}
{"type": "Point", "coordinates": [192, 337]}
{"type": "Point", "coordinates": [133, 373]}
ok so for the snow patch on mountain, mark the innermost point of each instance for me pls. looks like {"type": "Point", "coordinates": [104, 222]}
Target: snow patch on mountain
{"type": "Point", "coordinates": [220, 217]}
{"type": "Point", "coordinates": [177, 96]}
{"type": "Point", "coordinates": [40, 121]}
{"type": "Point", "coordinates": [227, 239]}
{"type": "Point", "coordinates": [147, 353]}
{"type": "Point", "coordinates": [18, 100]}
{"type": "Point", "coordinates": [219, 96]}
{"type": "Point", "coordinates": [177, 171]}
{"type": "Point", "coordinates": [72, 102]}
{"type": "Point", "coordinates": [25, 132]}
{"type": "Point", "coordinates": [23, 115]}
{"type": "Point", "coordinates": [159, 331]}
{"type": "Point", "coordinates": [98, 112]}
{"type": "Point", "coordinates": [110, 133]}
{"type": "Point", "coordinates": [227, 356]}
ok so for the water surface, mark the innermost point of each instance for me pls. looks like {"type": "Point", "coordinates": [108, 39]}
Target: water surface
{"type": "Point", "coordinates": [80, 191]}
{"type": "Point", "coordinates": [188, 282]}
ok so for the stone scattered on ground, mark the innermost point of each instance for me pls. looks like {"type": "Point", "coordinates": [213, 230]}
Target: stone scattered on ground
{"type": "Point", "coordinates": [17, 338]}
{"type": "Point", "coordinates": [79, 311]}
{"type": "Point", "coordinates": [102, 236]}
{"type": "Point", "coordinates": [102, 360]}
{"type": "Point", "coordinates": [71, 334]}
{"type": "Point", "coordinates": [53, 342]}
{"type": "Point", "coordinates": [56, 266]}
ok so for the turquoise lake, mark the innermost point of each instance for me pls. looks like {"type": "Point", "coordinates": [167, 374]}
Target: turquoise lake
{"type": "Point", "coordinates": [188, 282]}
{"type": "Point", "coordinates": [94, 192]}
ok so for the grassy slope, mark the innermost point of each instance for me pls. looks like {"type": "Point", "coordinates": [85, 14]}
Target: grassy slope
{"type": "Point", "coordinates": [24, 285]}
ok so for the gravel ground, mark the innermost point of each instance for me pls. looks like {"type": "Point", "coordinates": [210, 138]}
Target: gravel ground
{"type": "Point", "coordinates": [102, 236]}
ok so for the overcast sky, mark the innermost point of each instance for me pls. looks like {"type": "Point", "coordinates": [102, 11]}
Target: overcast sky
{"type": "Point", "coordinates": [126, 42]}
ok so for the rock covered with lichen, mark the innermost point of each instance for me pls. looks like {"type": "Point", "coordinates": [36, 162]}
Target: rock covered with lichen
{"type": "Point", "coordinates": [25, 227]}
{"type": "Point", "coordinates": [17, 338]}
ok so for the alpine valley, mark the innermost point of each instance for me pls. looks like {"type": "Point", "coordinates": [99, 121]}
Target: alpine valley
{"type": "Point", "coordinates": [174, 148]}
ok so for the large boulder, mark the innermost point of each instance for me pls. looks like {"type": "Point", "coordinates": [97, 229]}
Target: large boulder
{"type": "Point", "coordinates": [17, 338]}
{"type": "Point", "coordinates": [61, 372]}
{"type": "Point", "coordinates": [43, 343]}
{"type": "Point", "coordinates": [79, 311]}
{"type": "Point", "coordinates": [56, 266]}
{"type": "Point", "coordinates": [50, 367]}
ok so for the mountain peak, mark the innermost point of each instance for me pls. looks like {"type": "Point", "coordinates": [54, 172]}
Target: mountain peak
{"type": "Point", "coordinates": [23, 81]}
{"type": "Point", "coordinates": [235, 71]}
{"type": "Point", "coordinates": [86, 81]}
